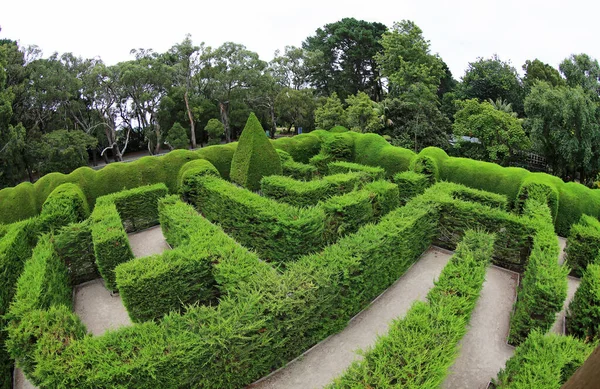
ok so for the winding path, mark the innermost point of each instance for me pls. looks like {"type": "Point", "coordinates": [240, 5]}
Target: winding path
{"type": "Point", "coordinates": [321, 364]}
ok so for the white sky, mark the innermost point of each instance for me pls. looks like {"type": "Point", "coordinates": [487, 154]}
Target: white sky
{"type": "Point", "coordinates": [459, 30]}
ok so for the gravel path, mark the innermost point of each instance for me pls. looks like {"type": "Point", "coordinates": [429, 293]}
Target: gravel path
{"type": "Point", "coordinates": [148, 242]}
{"type": "Point", "coordinates": [320, 365]}
{"type": "Point", "coordinates": [484, 350]}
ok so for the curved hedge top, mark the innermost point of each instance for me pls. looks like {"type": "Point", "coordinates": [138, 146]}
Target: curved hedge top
{"type": "Point", "coordinates": [25, 200]}
{"type": "Point", "coordinates": [255, 156]}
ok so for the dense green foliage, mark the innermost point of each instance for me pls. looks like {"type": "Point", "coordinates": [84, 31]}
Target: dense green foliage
{"type": "Point", "coordinates": [215, 130]}
{"type": "Point", "coordinates": [543, 361]}
{"type": "Point", "coordinates": [583, 318]}
{"type": "Point", "coordinates": [254, 157]}
{"type": "Point", "coordinates": [74, 246]}
{"type": "Point", "coordinates": [177, 137]}
{"type": "Point", "coordinates": [66, 204]}
{"type": "Point", "coordinates": [583, 244]}
{"type": "Point", "coordinates": [375, 172]}
{"type": "Point", "coordinates": [429, 332]}
{"type": "Point", "coordinates": [411, 184]}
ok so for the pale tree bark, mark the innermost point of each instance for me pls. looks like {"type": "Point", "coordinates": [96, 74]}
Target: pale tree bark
{"type": "Point", "coordinates": [224, 108]}
{"type": "Point", "coordinates": [191, 117]}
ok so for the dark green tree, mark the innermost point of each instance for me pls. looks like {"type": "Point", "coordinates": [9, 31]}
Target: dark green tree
{"type": "Point", "coordinates": [361, 114]}
{"type": "Point", "coordinates": [330, 114]}
{"type": "Point", "coordinates": [584, 71]}
{"type": "Point", "coordinates": [177, 137]}
{"type": "Point", "coordinates": [62, 151]}
{"type": "Point", "coordinates": [296, 108]}
{"type": "Point", "coordinates": [341, 58]}
{"type": "Point", "coordinates": [215, 130]}
{"type": "Point", "coordinates": [536, 70]}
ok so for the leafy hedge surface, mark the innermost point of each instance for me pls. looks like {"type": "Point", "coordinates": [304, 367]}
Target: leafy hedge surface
{"type": "Point", "coordinates": [75, 248]}
{"type": "Point", "coordinates": [303, 194]}
{"type": "Point", "coordinates": [543, 361]}
{"type": "Point", "coordinates": [375, 172]}
{"type": "Point", "coordinates": [542, 190]}
{"type": "Point", "coordinates": [277, 231]}
{"type": "Point", "coordinates": [111, 244]}
{"type": "Point", "coordinates": [321, 163]}
{"type": "Point", "coordinates": [255, 156]}
{"type": "Point", "coordinates": [583, 244]}
{"type": "Point", "coordinates": [385, 197]}
{"type": "Point", "coordinates": [345, 214]}
{"type": "Point", "coordinates": [293, 169]}
{"type": "Point", "coordinates": [258, 326]}
{"type": "Point", "coordinates": [544, 285]}
{"type": "Point", "coordinates": [66, 204]}
{"type": "Point", "coordinates": [43, 283]}
{"type": "Point", "coordinates": [419, 348]}
{"type": "Point", "coordinates": [138, 207]}
{"type": "Point", "coordinates": [583, 317]}
{"type": "Point", "coordinates": [340, 147]}
{"type": "Point", "coordinates": [411, 184]}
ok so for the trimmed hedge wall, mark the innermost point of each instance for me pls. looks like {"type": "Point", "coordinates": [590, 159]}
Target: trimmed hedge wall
{"type": "Point", "coordinates": [411, 184]}
{"type": "Point", "coordinates": [303, 194]}
{"type": "Point", "coordinates": [543, 361]}
{"type": "Point", "coordinates": [385, 197]}
{"type": "Point", "coordinates": [138, 207]}
{"type": "Point", "coordinates": [583, 315]}
{"type": "Point", "coordinates": [277, 231]}
{"type": "Point", "coordinates": [543, 287]}
{"type": "Point", "coordinates": [583, 244]}
{"type": "Point", "coordinates": [43, 283]}
{"type": "Point", "coordinates": [258, 326]}
{"type": "Point", "coordinates": [66, 204]}
{"type": "Point", "coordinates": [75, 248]}
{"type": "Point", "coordinates": [345, 214]}
{"type": "Point", "coordinates": [375, 172]}
{"type": "Point", "coordinates": [111, 244]}
{"type": "Point", "coordinates": [429, 332]}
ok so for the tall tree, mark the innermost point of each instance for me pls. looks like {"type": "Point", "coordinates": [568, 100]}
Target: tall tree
{"type": "Point", "coordinates": [289, 69]}
{"type": "Point", "coordinates": [330, 114]}
{"type": "Point", "coordinates": [295, 108]}
{"type": "Point", "coordinates": [564, 127]}
{"type": "Point", "coordinates": [229, 71]}
{"type": "Point", "coordinates": [492, 79]}
{"type": "Point", "coordinates": [341, 58]}
{"type": "Point", "coordinates": [361, 113]}
{"type": "Point", "coordinates": [536, 70]}
{"type": "Point", "coordinates": [584, 71]}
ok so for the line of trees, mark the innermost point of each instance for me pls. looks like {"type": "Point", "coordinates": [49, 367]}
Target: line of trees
{"type": "Point", "coordinates": [58, 112]}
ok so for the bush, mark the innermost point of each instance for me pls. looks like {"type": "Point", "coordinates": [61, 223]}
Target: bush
{"type": "Point", "coordinates": [411, 184]}
{"type": "Point", "coordinates": [544, 285]}
{"type": "Point", "coordinates": [583, 317]}
{"type": "Point", "coordinates": [111, 244]}
{"type": "Point", "coordinates": [427, 166]}
{"type": "Point", "coordinates": [177, 137]}
{"type": "Point", "coordinates": [138, 207]}
{"type": "Point", "coordinates": [298, 171]}
{"type": "Point", "coordinates": [541, 189]}
{"type": "Point", "coordinates": [376, 173]}
{"type": "Point", "coordinates": [339, 146]}
{"type": "Point", "coordinates": [429, 332]}
{"type": "Point", "coordinates": [193, 171]}
{"type": "Point", "coordinates": [345, 214]}
{"type": "Point", "coordinates": [215, 130]}
{"type": "Point", "coordinates": [307, 193]}
{"type": "Point", "coordinates": [583, 244]}
{"type": "Point", "coordinates": [543, 361]}
{"type": "Point", "coordinates": [255, 157]}
{"type": "Point", "coordinates": [321, 163]}
{"type": "Point", "coordinates": [301, 147]}
{"type": "Point", "coordinates": [277, 231]}
{"type": "Point", "coordinates": [66, 204]}
{"type": "Point", "coordinates": [75, 248]}
{"type": "Point", "coordinates": [338, 129]}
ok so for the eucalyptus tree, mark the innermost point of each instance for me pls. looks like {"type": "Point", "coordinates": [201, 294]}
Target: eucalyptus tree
{"type": "Point", "coordinates": [296, 108]}
{"type": "Point", "coordinates": [582, 70]}
{"type": "Point", "coordinates": [290, 68]}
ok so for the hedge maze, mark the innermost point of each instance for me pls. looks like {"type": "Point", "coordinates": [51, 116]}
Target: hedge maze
{"type": "Point", "coordinates": [270, 260]}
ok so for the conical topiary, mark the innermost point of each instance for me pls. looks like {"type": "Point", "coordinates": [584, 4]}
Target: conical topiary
{"type": "Point", "coordinates": [255, 156]}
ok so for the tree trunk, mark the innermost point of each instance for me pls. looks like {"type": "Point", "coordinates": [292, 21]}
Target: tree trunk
{"type": "Point", "coordinates": [273, 122]}
{"type": "Point", "coordinates": [158, 140]}
{"type": "Point", "coordinates": [224, 108]}
{"type": "Point", "coordinates": [588, 375]}
{"type": "Point", "coordinates": [191, 117]}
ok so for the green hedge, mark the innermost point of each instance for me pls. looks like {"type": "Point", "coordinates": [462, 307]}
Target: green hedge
{"type": "Point", "coordinates": [583, 244]}
{"type": "Point", "coordinates": [321, 162]}
{"type": "Point", "coordinates": [345, 214]}
{"type": "Point", "coordinates": [255, 157]}
{"type": "Point", "coordinates": [419, 348]}
{"type": "Point", "coordinates": [301, 147]}
{"type": "Point", "coordinates": [375, 172]}
{"type": "Point", "coordinates": [541, 189]}
{"type": "Point", "coordinates": [543, 361]}
{"type": "Point", "coordinates": [75, 248]}
{"type": "Point", "coordinates": [411, 184]}
{"type": "Point", "coordinates": [427, 166]}
{"type": "Point", "coordinates": [138, 207]}
{"type": "Point", "coordinates": [277, 231]}
{"type": "Point", "coordinates": [583, 316]}
{"type": "Point", "coordinates": [66, 204]}
{"type": "Point", "coordinates": [43, 283]}
{"type": "Point", "coordinates": [385, 197]}
{"type": "Point", "coordinates": [543, 287]}
{"type": "Point", "coordinates": [340, 147]}
{"type": "Point", "coordinates": [298, 170]}
{"type": "Point", "coordinates": [307, 193]}
{"type": "Point", "coordinates": [111, 243]}
{"type": "Point", "coordinates": [373, 150]}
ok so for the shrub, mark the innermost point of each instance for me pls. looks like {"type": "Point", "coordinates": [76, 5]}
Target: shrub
{"type": "Point", "coordinates": [298, 171]}
{"type": "Point", "coordinates": [75, 248]}
{"type": "Point", "coordinates": [583, 244]}
{"type": "Point", "coordinates": [376, 173]}
{"type": "Point", "coordinates": [544, 285]}
{"type": "Point", "coordinates": [277, 231]}
{"type": "Point", "coordinates": [339, 146]}
{"type": "Point", "coordinates": [111, 244]}
{"type": "Point", "coordinates": [66, 204]}
{"type": "Point", "coordinates": [411, 184]}
{"type": "Point", "coordinates": [345, 214]}
{"type": "Point", "coordinates": [543, 361]}
{"type": "Point", "coordinates": [321, 162]}
{"type": "Point", "coordinates": [215, 130]}
{"type": "Point", "coordinates": [301, 147]}
{"type": "Point", "coordinates": [583, 317]}
{"type": "Point", "coordinates": [138, 207]}
{"type": "Point", "coordinates": [429, 332]}
{"type": "Point", "coordinates": [425, 165]}
{"type": "Point", "coordinates": [482, 197]}
{"type": "Point", "coordinates": [255, 157]}
{"type": "Point", "coordinates": [307, 193]}
{"type": "Point", "coordinates": [177, 137]}
{"type": "Point", "coordinates": [338, 129]}
{"type": "Point", "coordinates": [541, 189]}
{"type": "Point", "coordinates": [192, 171]}
{"type": "Point", "coordinates": [384, 197]}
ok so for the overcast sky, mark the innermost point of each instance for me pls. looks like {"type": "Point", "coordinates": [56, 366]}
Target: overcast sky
{"type": "Point", "coordinates": [459, 30]}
